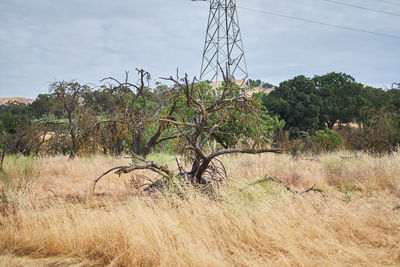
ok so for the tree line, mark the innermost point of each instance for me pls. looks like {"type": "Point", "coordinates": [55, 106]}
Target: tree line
{"type": "Point", "coordinates": [120, 116]}
{"type": "Point", "coordinates": [366, 117]}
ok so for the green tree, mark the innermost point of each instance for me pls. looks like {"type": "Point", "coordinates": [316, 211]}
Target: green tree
{"type": "Point", "coordinates": [342, 98]}
{"type": "Point", "coordinates": [17, 133]}
{"type": "Point", "coordinates": [100, 101]}
{"type": "Point", "coordinates": [297, 101]}
{"type": "Point", "coordinates": [42, 106]}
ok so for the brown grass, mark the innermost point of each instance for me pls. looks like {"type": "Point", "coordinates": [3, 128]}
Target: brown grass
{"type": "Point", "coordinates": [56, 222]}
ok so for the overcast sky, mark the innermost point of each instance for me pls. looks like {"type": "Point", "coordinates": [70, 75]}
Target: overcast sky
{"type": "Point", "coordinates": [42, 41]}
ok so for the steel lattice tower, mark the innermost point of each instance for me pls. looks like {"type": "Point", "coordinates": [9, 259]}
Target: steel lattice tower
{"type": "Point", "coordinates": [223, 46]}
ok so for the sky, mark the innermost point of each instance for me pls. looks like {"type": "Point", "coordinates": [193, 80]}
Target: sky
{"type": "Point", "coordinates": [43, 41]}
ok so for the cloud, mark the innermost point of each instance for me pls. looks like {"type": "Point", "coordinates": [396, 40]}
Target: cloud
{"type": "Point", "coordinates": [42, 41]}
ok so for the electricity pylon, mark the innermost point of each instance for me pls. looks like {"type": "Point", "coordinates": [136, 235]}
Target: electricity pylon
{"type": "Point", "coordinates": [223, 46]}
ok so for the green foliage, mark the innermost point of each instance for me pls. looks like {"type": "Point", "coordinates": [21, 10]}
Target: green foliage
{"type": "Point", "coordinates": [308, 105]}
{"type": "Point", "coordinates": [100, 101]}
{"type": "Point", "coordinates": [298, 103]}
{"type": "Point", "coordinates": [42, 106]}
{"type": "Point", "coordinates": [7, 122]}
{"type": "Point", "coordinates": [382, 98]}
{"type": "Point", "coordinates": [120, 117]}
{"type": "Point", "coordinates": [17, 175]}
{"type": "Point", "coordinates": [236, 124]}
{"type": "Point", "coordinates": [256, 83]}
{"type": "Point", "coordinates": [342, 98]}
{"type": "Point", "coordinates": [269, 124]}
{"type": "Point", "coordinates": [16, 133]}
{"type": "Point", "coordinates": [326, 141]}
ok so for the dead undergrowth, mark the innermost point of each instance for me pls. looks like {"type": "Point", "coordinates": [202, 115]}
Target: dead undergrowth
{"type": "Point", "coordinates": [56, 221]}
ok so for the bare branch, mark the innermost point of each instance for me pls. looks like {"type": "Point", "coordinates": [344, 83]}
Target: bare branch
{"type": "Point", "coordinates": [167, 138]}
{"type": "Point", "coordinates": [148, 165]}
{"type": "Point", "coordinates": [288, 188]}
{"type": "Point", "coordinates": [244, 151]}
{"type": "Point", "coordinates": [211, 113]}
{"type": "Point", "coordinates": [179, 123]}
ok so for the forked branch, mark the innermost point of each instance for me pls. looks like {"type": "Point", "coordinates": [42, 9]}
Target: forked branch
{"type": "Point", "coordinates": [148, 165]}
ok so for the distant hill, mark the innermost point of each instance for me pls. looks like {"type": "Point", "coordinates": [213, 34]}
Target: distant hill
{"type": "Point", "coordinates": [263, 88]}
{"type": "Point", "coordinates": [259, 86]}
{"type": "Point", "coordinates": [5, 100]}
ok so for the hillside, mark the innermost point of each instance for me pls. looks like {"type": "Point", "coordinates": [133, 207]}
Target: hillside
{"type": "Point", "coordinates": [261, 87]}
{"type": "Point", "coordinates": [5, 100]}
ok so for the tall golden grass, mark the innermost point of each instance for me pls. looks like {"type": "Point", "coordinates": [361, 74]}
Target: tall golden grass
{"type": "Point", "coordinates": [55, 221]}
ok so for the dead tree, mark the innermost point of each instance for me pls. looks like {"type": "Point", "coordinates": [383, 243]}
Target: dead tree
{"type": "Point", "coordinates": [19, 135]}
{"type": "Point", "coordinates": [68, 96]}
{"type": "Point", "coordinates": [136, 108]}
{"type": "Point", "coordinates": [211, 110]}
{"type": "Point", "coordinates": [207, 112]}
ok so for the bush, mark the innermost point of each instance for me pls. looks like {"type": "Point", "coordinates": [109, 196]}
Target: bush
{"type": "Point", "coordinates": [382, 131]}
{"type": "Point", "coordinates": [326, 141]}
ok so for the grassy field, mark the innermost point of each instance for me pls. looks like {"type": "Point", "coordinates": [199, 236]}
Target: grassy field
{"type": "Point", "coordinates": [49, 217]}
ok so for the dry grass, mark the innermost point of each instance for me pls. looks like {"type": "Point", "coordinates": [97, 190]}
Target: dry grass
{"type": "Point", "coordinates": [56, 222]}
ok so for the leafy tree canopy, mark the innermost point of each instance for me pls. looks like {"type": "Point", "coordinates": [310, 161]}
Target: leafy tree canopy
{"type": "Point", "coordinates": [298, 102]}
{"type": "Point", "coordinates": [342, 98]}
{"type": "Point", "coordinates": [314, 104]}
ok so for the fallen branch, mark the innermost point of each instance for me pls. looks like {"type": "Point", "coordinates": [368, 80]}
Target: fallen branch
{"type": "Point", "coordinates": [313, 189]}
{"type": "Point", "coordinates": [55, 194]}
{"type": "Point", "coordinates": [288, 188]}
{"type": "Point", "coordinates": [148, 165]}
{"type": "Point", "coordinates": [104, 174]}
{"type": "Point", "coordinates": [244, 151]}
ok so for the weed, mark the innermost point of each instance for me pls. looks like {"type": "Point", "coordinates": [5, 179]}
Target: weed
{"type": "Point", "coordinates": [17, 175]}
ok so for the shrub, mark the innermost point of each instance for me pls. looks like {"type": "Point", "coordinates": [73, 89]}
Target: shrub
{"type": "Point", "coordinates": [383, 130]}
{"type": "Point", "coordinates": [326, 141]}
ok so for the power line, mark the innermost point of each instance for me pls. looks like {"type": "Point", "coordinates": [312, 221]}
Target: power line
{"type": "Point", "coordinates": [363, 8]}
{"type": "Point", "coordinates": [320, 23]}
{"type": "Point", "coordinates": [389, 2]}
{"type": "Point", "coordinates": [384, 1]}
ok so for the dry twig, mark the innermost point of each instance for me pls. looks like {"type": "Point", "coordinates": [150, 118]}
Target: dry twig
{"type": "Point", "coordinates": [288, 188]}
